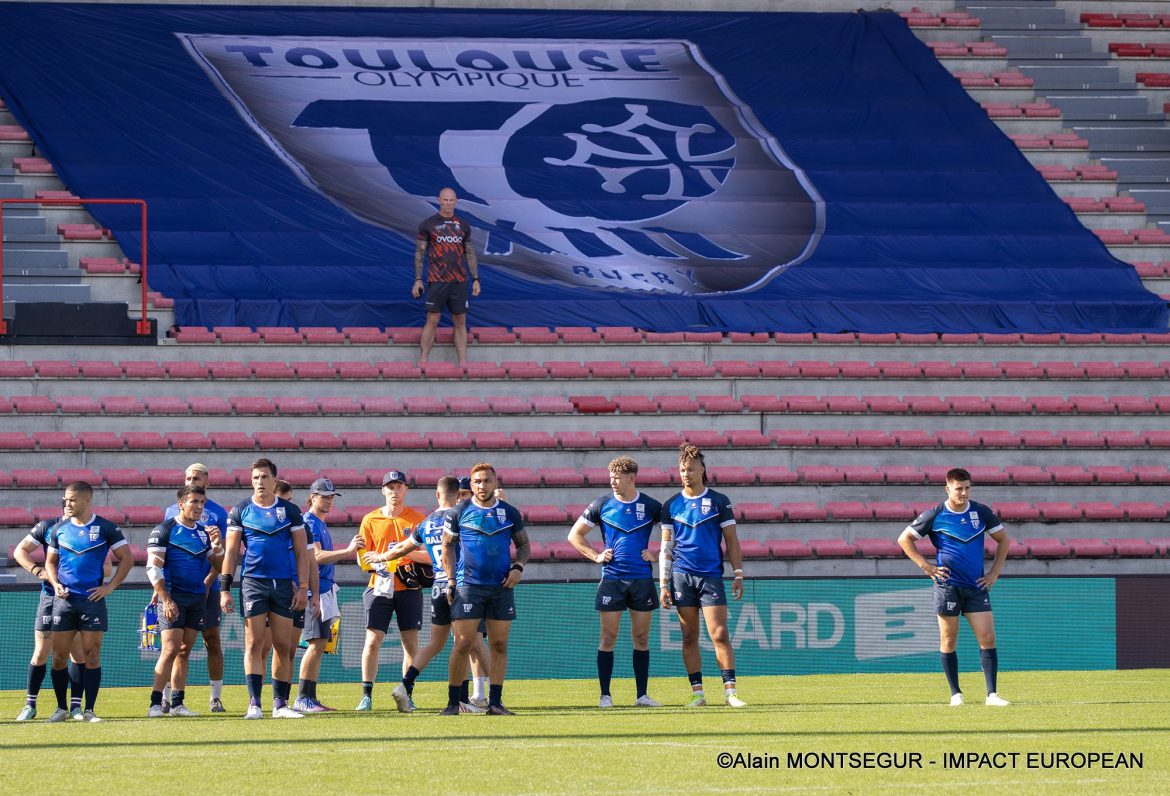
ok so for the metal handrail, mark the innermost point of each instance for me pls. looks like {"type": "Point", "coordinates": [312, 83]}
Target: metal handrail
{"type": "Point", "coordinates": [142, 326]}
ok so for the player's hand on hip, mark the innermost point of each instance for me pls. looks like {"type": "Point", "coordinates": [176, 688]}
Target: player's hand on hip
{"type": "Point", "coordinates": [417, 289]}
{"type": "Point", "coordinates": [648, 556]}
{"type": "Point", "coordinates": [605, 556]}
{"type": "Point", "coordinates": [100, 592]}
{"type": "Point", "coordinates": [937, 574]}
{"type": "Point", "coordinates": [987, 581]}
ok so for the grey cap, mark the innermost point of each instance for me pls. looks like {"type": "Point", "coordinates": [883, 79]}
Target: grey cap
{"type": "Point", "coordinates": [392, 476]}
{"type": "Point", "coordinates": [323, 487]}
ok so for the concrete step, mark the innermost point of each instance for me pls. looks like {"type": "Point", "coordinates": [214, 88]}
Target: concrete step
{"type": "Point", "coordinates": [1074, 76]}
{"type": "Point", "coordinates": [1157, 200]}
{"type": "Point", "coordinates": [1134, 171]}
{"type": "Point", "coordinates": [1045, 46]}
{"type": "Point", "coordinates": [1125, 137]}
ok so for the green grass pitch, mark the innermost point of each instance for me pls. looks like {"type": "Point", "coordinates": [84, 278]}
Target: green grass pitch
{"type": "Point", "coordinates": [559, 742]}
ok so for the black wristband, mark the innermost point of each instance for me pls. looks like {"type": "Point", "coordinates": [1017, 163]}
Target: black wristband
{"type": "Point", "coordinates": [518, 567]}
{"type": "Point", "coordinates": [225, 582]}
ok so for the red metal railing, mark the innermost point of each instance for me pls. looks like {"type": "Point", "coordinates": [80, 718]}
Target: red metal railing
{"type": "Point", "coordinates": [142, 327]}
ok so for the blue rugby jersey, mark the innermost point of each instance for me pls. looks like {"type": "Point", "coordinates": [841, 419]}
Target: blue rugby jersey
{"type": "Point", "coordinates": [485, 540]}
{"type": "Point", "coordinates": [625, 529]}
{"type": "Point", "coordinates": [429, 534]}
{"type": "Point", "coordinates": [213, 514]}
{"type": "Point", "coordinates": [319, 535]}
{"type": "Point", "coordinates": [696, 525]}
{"type": "Point", "coordinates": [83, 550]}
{"type": "Point", "coordinates": [267, 537]}
{"type": "Point", "coordinates": [958, 537]}
{"type": "Point", "coordinates": [186, 552]}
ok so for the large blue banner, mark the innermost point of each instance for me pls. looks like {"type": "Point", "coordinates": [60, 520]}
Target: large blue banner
{"type": "Point", "coordinates": [662, 170]}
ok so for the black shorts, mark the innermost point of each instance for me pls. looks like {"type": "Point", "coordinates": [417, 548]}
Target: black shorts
{"type": "Point", "coordinates": [484, 602]}
{"type": "Point", "coordinates": [618, 595]}
{"type": "Point", "coordinates": [192, 613]}
{"type": "Point", "coordinates": [261, 596]}
{"type": "Point", "coordinates": [451, 296]}
{"type": "Point", "coordinates": [694, 591]}
{"type": "Point", "coordinates": [213, 614]}
{"type": "Point", "coordinates": [79, 613]}
{"type": "Point", "coordinates": [954, 600]}
{"type": "Point", "coordinates": [440, 608]}
{"type": "Point", "coordinates": [406, 605]}
{"type": "Point", "coordinates": [43, 621]}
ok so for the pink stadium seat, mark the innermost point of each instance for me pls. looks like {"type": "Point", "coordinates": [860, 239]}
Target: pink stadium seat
{"type": "Point", "coordinates": [778, 369]}
{"type": "Point", "coordinates": [989, 475]}
{"type": "Point", "coordinates": [100, 369]}
{"type": "Point", "coordinates": [1133, 404]}
{"type": "Point", "coordinates": [34, 478]}
{"type": "Point", "coordinates": [935, 474]}
{"type": "Point", "coordinates": [1059, 511]}
{"type": "Point", "coordinates": [789, 548]}
{"type": "Point", "coordinates": [605, 369]}
{"type": "Point", "coordinates": [939, 369]}
{"type": "Point", "coordinates": [958, 439]}
{"type": "Point", "coordinates": [856, 369]}
{"type": "Point", "coordinates": [549, 515]}
{"type": "Point", "coordinates": [657, 476]}
{"type": "Point", "coordinates": [758, 513]}
{"type": "Point", "coordinates": [775, 475]}
{"type": "Point", "coordinates": [706, 439]}
{"type": "Point", "coordinates": [431, 370]}
{"type": "Point", "coordinates": [731, 476]}
{"type": "Point", "coordinates": [318, 440]}
{"type": "Point", "coordinates": [1062, 370]}
{"type": "Point", "coordinates": [831, 438]}
{"type": "Point", "coordinates": [423, 405]}
{"type": "Point", "coordinates": [186, 370]}
{"type": "Point", "coordinates": [382, 405]}
{"type": "Point", "coordinates": [1011, 404]}
{"type": "Point", "coordinates": [525, 370]}
{"type": "Point", "coordinates": [56, 440]}
{"type": "Point", "coordinates": [356, 371]}
{"type": "Point", "coordinates": [793, 338]}
{"type": "Point", "coordinates": [143, 515]}
{"type": "Point", "coordinates": [666, 337]}
{"type": "Point", "coordinates": [100, 441]}
{"type": "Point", "coordinates": [566, 370]}
{"type": "Point", "coordinates": [491, 440]}
{"type": "Point", "coordinates": [79, 405]}
{"type": "Point", "coordinates": [1048, 548]}
{"type": "Point", "coordinates": [562, 476]}
{"type": "Point", "coordinates": [1158, 439]}
{"type": "Point", "coordinates": [252, 405]}
{"type": "Point", "coordinates": [870, 438]}
{"type": "Point", "coordinates": [551, 405]}
{"type": "Point", "coordinates": [980, 370]}
{"type": "Point", "coordinates": [999, 439]}
{"type": "Point", "coordinates": [892, 511]}
{"type": "Point", "coordinates": [1083, 439]}
{"type": "Point", "coordinates": [1151, 474]}
{"type": "Point", "coordinates": [1026, 474]}
{"type": "Point", "coordinates": [1041, 439]}
{"type": "Point", "coordinates": [903, 474]}
{"type": "Point", "coordinates": [538, 551]}
{"type": "Point", "coordinates": [363, 440]}
{"type": "Point", "coordinates": [745, 439]}
{"type": "Point", "coordinates": [19, 518]}
{"type": "Point", "coordinates": [122, 405]}
{"type": "Point", "coordinates": [595, 477]}
{"type": "Point", "coordinates": [845, 404]}
{"type": "Point", "coordinates": [196, 335]}
{"type": "Point", "coordinates": [816, 369]}
{"type": "Point", "coordinates": [55, 369]}
{"type": "Point", "coordinates": [518, 476]}
{"type": "Point", "coordinates": [1133, 548]}
{"type": "Point", "coordinates": [703, 337]}
{"type": "Point", "coordinates": [1051, 405]}
{"type": "Point", "coordinates": [534, 440]}
{"type": "Point", "coordinates": [792, 438]}
{"type": "Point", "coordinates": [1113, 475]}
{"type": "Point", "coordinates": [166, 476]}
{"type": "Point", "coordinates": [737, 368]}
{"type": "Point", "coordinates": [719, 404]}
{"type": "Point", "coordinates": [1124, 439]}
{"type": "Point", "coordinates": [626, 404]}
{"type": "Point", "coordinates": [660, 439]}
{"type": "Point", "coordinates": [464, 405]}
{"type": "Point", "coordinates": [845, 510]}
{"type": "Point", "coordinates": [897, 369]}
{"type": "Point", "coordinates": [231, 440]}
{"type": "Point", "coordinates": [493, 335]}
{"type": "Point", "coordinates": [879, 548]}
{"type": "Point", "coordinates": [485, 370]}
{"type": "Point", "coordinates": [16, 370]}
{"type": "Point", "coordinates": [803, 511]}
{"type": "Point", "coordinates": [691, 369]}
{"type": "Point", "coordinates": [339, 406]}
{"type": "Point", "coordinates": [620, 440]}
{"type": "Point", "coordinates": [448, 440]}
{"type": "Point", "coordinates": [1143, 510]}
{"type": "Point", "coordinates": [928, 405]}
{"type": "Point", "coordinates": [1070, 474]}
{"type": "Point", "coordinates": [346, 477]}
{"type": "Point", "coordinates": [271, 370]}
{"type": "Point", "coordinates": [754, 549]}
{"type": "Point", "coordinates": [860, 474]}
{"type": "Point", "coordinates": [18, 440]}
{"type": "Point", "coordinates": [1016, 369]}
{"type": "Point", "coordinates": [209, 405]}
{"type": "Point", "coordinates": [535, 335]}
{"type": "Point", "coordinates": [764, 403]}
{"type": "Point", "coordinates": [832, 548]}
{"type": "Point", "coordinates": [188, 440]}
{"type": "Point", "coordinates": [296, 405]}
{"type": "Point", "coordinates": [913, 438]}
{"type": "Point", "coordinates": [678, 404]}
{"type": "Point", "coordinates": [1015, 510]}
{"type": "Point", "coordinates": [885, 404]}
{"type": "Point", "coordinates": [145, 440]}
{"type": "Point", "coordinates": [1099, 510]}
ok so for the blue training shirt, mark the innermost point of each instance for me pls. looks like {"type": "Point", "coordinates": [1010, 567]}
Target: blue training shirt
{"type": "Point", "coordinates": [485, 539]}
{"type": "Point", "coordinates": [625, 529]}
{"type": "Point", "coordinates": [696, 525]}
{"type": "Point", "coordinates": [213, 514]}
{"type": "Point", "coordinates": [319, 535]}
{"type": "Point", "coordinates": [186, 553]}
{"type": "Point", "coordinates": [429, 534]}
{"type": "Point", "coordinates": [267, 537]}
{"type": "Point", "coordinates": [40, 535]}
{"type": "Point", "coordinates": [83, 550]}
{"type": "Point", "coordinates": [958, 536]}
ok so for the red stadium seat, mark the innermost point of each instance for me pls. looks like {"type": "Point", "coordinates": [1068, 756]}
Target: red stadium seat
{"type": "Point", "coordinates": [551, 405]}
{"type": "Point", "coordinates": [491, 440]}
{"type": "Point", "coordinates": [1059, 512]}
{"type": "Point", "coordinates": [19, 440]}
{"type": "Point", "coordinates": [143, 515]}
{"type": "Point", "coordinates": [518, 476]}
{"type": "Point", "coordinates": [885, 404]}
{"type": "Point", "coordinates": [705, 439]}
{"type": "Point", "coordinates": [56, 440]}
{"type": "Point", "coordinates": [55, 369]}
{"type": "Point", "coordinates": [754, 549]}
{"type": "Point", "coordinates": [762, 403]}
{"type": "Point", "coordinates": [448, 440]}
{"type": "Point", "coordinates": [737, 369]}
{"type": "Point", "coordinates": [678, 404]}
{"type": "Point", "coordinates": [831, 438]}
{"type": "Point", "coordinates": [862, 474]}
{"type": "Point", "coordinates": [660, 439]}
{"type": "Point", "coordinates": [363, 440]}
{"type": "Point", "coordinates": [656, 476]}
{"type": "Point", "coordinates": [731, 476]}
{"type": "Point", "coordinates": [820, 474]}
{"type": "Point", "coordinates": [620, 440]}
{"type": "Point", "coordinates": [1070, 475]}
{"type": "Point", "coordinates": [189, 440]}
{"type": "Point", "coordinates": [562, 476]}
{"type": "Point", "coordinates": [100, 369]}
{"type": "Point", "coordinates": [914, 439]}
{"type": "Point", "coordinates": [789, 548]}
{"type": "Point", "coordinates": [970, 405]}
{"type": "Point", "coordinates": [893, 511]}
{"type": "Point", "coordinates": [424, 405]}
{"type": "Point", "coordinates": [758, 512]}
{"type": "Point", "coordinates": [319, 440]}
{"type": "Point", "coordinates": [775, 475]}
{"type": "Point", "coordinates": [231, 440]}
{"type": "Point", "coordinates": [1041, 439]}
{"type": "Point", "coordinates": [1133, 548]}
{"type": "Point", "coordinates": [879, 548]}
{"type": "Point", "coordinates": [806, 511]}
{"type": "Point", "coordinates": [869, 438]}
{"type": "Point", "coordinates": [345, 477]}
{"type": "Point", "coordinates": [1027, 474]}
{"type": "Point", "coordinates": [999, 439]}
{"type": "Point", "coordinates": [34, 478]}
{"type": "Point", "coordinates": [691, 369]}
{"type": "Point", "coordinates": [1017, 511]}
{"type": "Point", "coordinates": [431, 370]}
{"type": "Point", "coordinates": [719, 404]}
{"type": "Point", "coordinates": [493, 335]}
{"type": "Point", "coordinates": [1094, 510]}
{"type": "Point", "coordinates": [548, 515]}
{"type": "Point", "coordinates": [1143, 510]}
{"type": "Point", "coordinates": [464, 405]}
{"type": "Point", "coordinates": [903, 474]}
{"type": "Point", "coordinates": [626, 404]}
{"type": "Point", "coordinates": [209, 405]}
{"type": "Point", "coordinates": [295, 405]}
{"type": "Point", "coordinates": [845, 510]}
{"type": "Point", "coordinates": [100, 441]}
{"type": "Point", "coordinates": [79, 405]}
{"type": "Point", "coordinates": [990, 475]}
{"type": "Point", "coordinates": [832, 548]}
{"type": "Point", "coordinates": [1048, 548]}
{"type": "Point", "coordinates": [792, 438]}
{"type": "Point", "coordinates": [17, 517]}
{"type": "Point", "coordinates": [534, 440]}
{"type": "Point", "coordinates": [1151, 474]}
{"type": "Point", "coordinates": [744, 439]}
{"type": "Point", "coordinates": [779, 369]}
{"type": "Point", "coordinates": [1083, 439]}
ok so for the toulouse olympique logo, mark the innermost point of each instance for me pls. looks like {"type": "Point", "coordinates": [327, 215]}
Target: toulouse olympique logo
{"type": "Point", "coordinates": [626, 165]}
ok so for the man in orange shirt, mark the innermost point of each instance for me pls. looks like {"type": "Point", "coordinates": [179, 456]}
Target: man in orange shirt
{"type": "Point", "coordinates": [386, 595]}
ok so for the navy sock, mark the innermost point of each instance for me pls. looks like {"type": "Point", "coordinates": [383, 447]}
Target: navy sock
{"type": "Point", "coordinates": [156, 698]}
{"type": "Point", "coordinates": [76, 689]}
{"type": "Point", "coordinates": [177, 698]}
{"type": "Point", "coordinates": [409, 678]}
{"type": "Point", "coordinates": [367, 688]}
{"type": "Point", "coordinates": [604, 670]}
{"type": "Point", "coordinates": [60, 678]}
{"type": "Point", "coordinates": [305, 689]}
{"type": "Point", "coordinates": [280, 691]}
{"type": "Point", "coordinates": [453, 695]}
{"type": "Point", "coordinates": [36, 676]}
{"type": "Point", "coordinates": [91, 681]}
{"type": "Point", "coordinates": [465, 691]}
{"type": "Point", "coordinates": [696, 678]}
{"type": "Point", "coordinates": [728, 676]}
{"type": "Point", "coordinates": [496, 694]}
{"type": "Point", "coordinates": [950, 665]}
{"type": "Point", "coordinates": [255, 688]}
{"type": "Point", "coordinates": [989, 660]}
{"type": "Point", "coordinates": [641, 671]}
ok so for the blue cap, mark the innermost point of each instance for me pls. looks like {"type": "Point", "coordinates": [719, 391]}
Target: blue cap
{"type": "Point", "coordinates": [465, 483]}
{"type": "Point", "coordinates": [392, 476]}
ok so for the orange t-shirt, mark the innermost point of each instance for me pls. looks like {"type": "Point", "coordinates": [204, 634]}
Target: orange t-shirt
{"type": "Point", "coordinates": [380, 533]}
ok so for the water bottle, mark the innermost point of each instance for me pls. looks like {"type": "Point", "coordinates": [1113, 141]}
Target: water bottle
{"type": "Point", "coordinates": [148, 633]}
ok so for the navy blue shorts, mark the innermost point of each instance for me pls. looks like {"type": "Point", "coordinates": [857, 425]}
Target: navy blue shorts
{"type": "Point", "coordinates": [212, 613]}
{"type": "Point", "coordinates": [440, 608]}
{"type": "Point", "coordinates": [260, 596]}
{"type": "Point", "coordinates": [618, 595]}
{"type": "Point", "coordinates": [954, 600]}
{"type": "Point", "coordinates": [451, 296]}
{"type": "Point", "coordinates": [43, 622]}
{"type": "Point", "coordinates": [694, 591]}
{"type": "Point", "coordinates": [79, 613]}
{"type": "Point", "coordinates": [484, 602]}
{"type": "Point", "coordinates": [192, 613]}
{"type": "Point", "coordinates": [406, 605]}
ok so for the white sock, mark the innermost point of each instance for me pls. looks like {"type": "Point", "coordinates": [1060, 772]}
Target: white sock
{"type": "Point", "coordinates": [480, 688]}
{"type": "Point", "coordinates": [217, 689]}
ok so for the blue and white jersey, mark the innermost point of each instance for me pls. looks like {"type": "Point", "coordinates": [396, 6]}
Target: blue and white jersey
{"type": "Point", "coordinates": [429, 534]}
{"type": "Point", "coordinates": [186, 553]}
{"type": "Point", "coordinates": [958, 536]}
{"type": "Point", "coordinates": [696, 525]}
{"type": "Point", "coordinates": [40, 535]}
{"type": "Point", "coordinates": [83, 550]}
{"type": "Point", "coordinates": [319, 535]}
{"type": "Point", "coordinates": [625, 529]}
{"type": "Point", "coordinates": [213, 514]}
{"type": "Point", "coordinates": [267, 537]}
{"type": "Point", "coordinates": [485, 540]}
